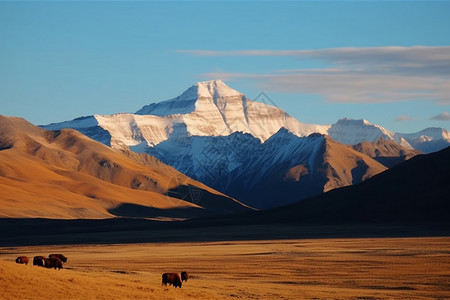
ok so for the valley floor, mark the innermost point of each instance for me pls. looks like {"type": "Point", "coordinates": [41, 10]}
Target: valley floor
{"type": "Point", "coordinates": [358, 268]}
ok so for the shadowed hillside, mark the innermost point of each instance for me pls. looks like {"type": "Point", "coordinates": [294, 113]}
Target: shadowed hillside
{"type": "Point", "coordinates": [414, 191]}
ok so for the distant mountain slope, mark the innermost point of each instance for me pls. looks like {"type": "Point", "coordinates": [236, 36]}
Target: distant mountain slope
{"type": "Point", "coordinates": [351, 132]}
{"type": "Point", "coordinates": [302, 168]}
{"type": "Point", "coordinates": [415, 190]}
{"type": "Point", "coordinates": [386, 152]}
{"type": "Point", "coordinates": [428, 140]}
{"type": "Point", "coordinates": [64, 174]}
{"type": "Point", "coordinates": [269, 174]}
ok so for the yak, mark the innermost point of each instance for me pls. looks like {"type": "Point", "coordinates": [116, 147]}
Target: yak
{"type": "Point", "coordinates": [60, 256]}
{"type": "Point", "coordinates": [22, 260]}
{"type": "Point", "coordinates": [39, 261]}
{"type": "Point", "coordinates": [171, 279]}
{"type": "Point", "coordinates": [53, 262]}
{"type": "Point", "coordinates": [184, 276]}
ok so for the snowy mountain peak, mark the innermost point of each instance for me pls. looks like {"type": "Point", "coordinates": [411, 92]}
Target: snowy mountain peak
{"type": "Point", "coordinates": [428, 140]}
{"type": "Point", "coordinates": [351, 132]}
{"type": "Point", "coordinates": [188, 100]}
{"type": "Point", "coordinates": [214, 89]}
{"type": "Point", "coordinates": [353, 122]}
{"type": "Point", "coordinates": [435, 133]}
{"type": "Point", "coordinates": [207, 89]}
{"type": "Point", "coordinates": [211, 108]}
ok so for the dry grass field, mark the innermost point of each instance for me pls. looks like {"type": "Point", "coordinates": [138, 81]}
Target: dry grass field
{"type": "Point", "coordinates": [381, 268]}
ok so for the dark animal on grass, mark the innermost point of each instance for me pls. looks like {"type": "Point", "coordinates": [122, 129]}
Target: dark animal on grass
{"type": "Point", "coordinates": [39, 261]}
{"type": "Point", "coordinates": [53, 263]}
{"type": "Point", "coordinates": [184, 276]}
{"type": "Point", "coordinates": [171, 279]}
{"type": "Point", "coordinates": [22, 260]}
{"type": "Point", "coordinates": [60, 256]}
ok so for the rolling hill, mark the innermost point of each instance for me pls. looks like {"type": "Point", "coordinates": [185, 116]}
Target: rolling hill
{"type": "Point", "coordinates": [65, 175]}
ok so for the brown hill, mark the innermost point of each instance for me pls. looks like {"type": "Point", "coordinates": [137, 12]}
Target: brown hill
{"type": "Point", "coordinates": [388, 153]}
{"type": "Point", "coordinates": [343, 167]}
{"type": "Point", "coordinates": [64, 174]}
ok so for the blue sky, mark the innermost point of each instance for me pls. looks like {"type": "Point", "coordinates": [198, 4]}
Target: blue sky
{"type": "Point", "coordinates": [387, 62]}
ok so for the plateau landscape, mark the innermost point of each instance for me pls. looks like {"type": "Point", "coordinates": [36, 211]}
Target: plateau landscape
{"type": "Point", "coordinates": [224, 150]}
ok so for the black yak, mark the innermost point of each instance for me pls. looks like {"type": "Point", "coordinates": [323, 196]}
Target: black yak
{"type": "Point", "coordinates": [171, 279]}
{"type": "Point", "coordinates": [184, 276]}
{"type": "Point", "coordinates": [39, 261]}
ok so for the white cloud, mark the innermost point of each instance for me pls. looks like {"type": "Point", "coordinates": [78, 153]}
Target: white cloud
{"type": "Point", "coordinates": [445, 116]}
{"type": "Point", "coordinates": [380, 74]}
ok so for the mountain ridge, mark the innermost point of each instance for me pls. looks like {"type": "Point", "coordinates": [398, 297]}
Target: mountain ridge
{"type": "Point", "coordinates": [211, 108]}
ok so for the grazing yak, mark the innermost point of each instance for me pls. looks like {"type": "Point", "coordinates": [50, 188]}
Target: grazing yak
{"type": "Point", "coordinates": [22, 260]}
{"type": "Point", "coordinates": [184, 276]}
{"type": "Point", "coordinates": [53, 262]}
{"type": "Point", "coordinates": [60, 256]}
{"type": "Point", "coordinates": [171, 278]}
{"type": "Point", "coordinates": [39, 261]}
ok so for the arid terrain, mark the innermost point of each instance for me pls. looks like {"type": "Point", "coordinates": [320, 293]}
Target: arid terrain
{"type": "Point", "coordinates": [360, 268]}
{"type": "Point", "coordinates": [66, 175]}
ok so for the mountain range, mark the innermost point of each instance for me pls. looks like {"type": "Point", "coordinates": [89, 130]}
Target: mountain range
{"type": "Point", "coordinates": [252, 151]}
{"type": "Point", "coordinates": [65, 175]}
{"type": "Point", "coordinates": [211, 108]}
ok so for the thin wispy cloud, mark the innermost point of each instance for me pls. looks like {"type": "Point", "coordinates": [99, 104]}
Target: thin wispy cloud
{"type": "Point", "coordinates": [350, 86]}
{"type": "Point", "coordinates": [445, 116]}
{"type": "Point", "coordinates": [404, 118]}
{"type": "Point", "coordinates": [399, 59]}
{"type": "Point", "coordinates": [379, 74]}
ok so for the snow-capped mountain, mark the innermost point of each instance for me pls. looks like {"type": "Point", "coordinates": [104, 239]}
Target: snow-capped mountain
{"type": "Point", "coordinates": [208, 108]}
{"type": "Point", "coordinates": [217, 135]}
{"type": "Point", "coordinates": [428, 140]}
{"type": "Point", "coordinates": [211, 108]}
{"type": "Point", "coordinates": [352, 132]}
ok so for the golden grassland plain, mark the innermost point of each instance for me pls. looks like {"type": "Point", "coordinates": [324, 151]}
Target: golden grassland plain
{"type": "Point", "coordinates": [360, 268]}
